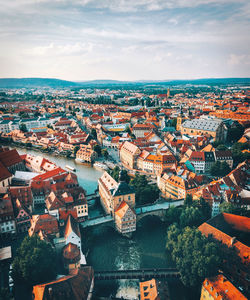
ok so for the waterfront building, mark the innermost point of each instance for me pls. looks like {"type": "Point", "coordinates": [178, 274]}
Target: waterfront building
{"type": "Point", "coordinates": [79, 284]}
{"type": "Point", "coordinates": [46, 223]}
{"type": "Point", "coordinates": [220, 288]}
{"type": "Point", "coordinates": [7, 218]}
{"type": "Point", "coordinates": [129, 154]}
{"type": "Point", "coordinates": [214, 128]}
{"type": "Point", "coordinates": [118, 199]}
{"type": "Point", "coordinates": [112, 193]}
{"type": "Point", "coordinates": [86, 154]}
{"type": "Point", "coordinates": [125, 218]}
{"type": "Point", "coordinates": [11, 160]}
{"type": "Point", "coordinates": [5, 176]}
{"type": "Point", "coordinates": [71, 256]}
{"type": "Point", "coordinates": [154, 290]}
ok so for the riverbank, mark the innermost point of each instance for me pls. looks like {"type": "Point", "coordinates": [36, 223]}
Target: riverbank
{"type": "Point", "coordinates": [86, 174]}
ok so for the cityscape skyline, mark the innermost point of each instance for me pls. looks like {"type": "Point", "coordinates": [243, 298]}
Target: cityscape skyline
{"type": "Point", "coordinates": [125, 40]}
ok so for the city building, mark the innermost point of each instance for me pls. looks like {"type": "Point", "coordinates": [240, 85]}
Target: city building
{"type": "Point", "coordinates": [79, 284]}
{"type": "Point", "coordinates": [125, 218]}
{"type": "Point", "coordinates": [214, 128]}
{"type": "Point", "coordinates": [232, 231]}
{"type": "Point", "coordinates": [220, 288]}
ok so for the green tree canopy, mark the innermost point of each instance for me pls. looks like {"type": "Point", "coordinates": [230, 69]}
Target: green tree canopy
{"type": "Point", "coordinates": [35, 262]}
{"type": "Point", "coordinates": [105, 153]}
{"type": "Point", "coordinates": [191, 216]}
{"type": "Point", "coordinates": [97, 148]}
{"type": "Point", "coordinates": [76, 149]}
{"type": "Point", "coordinates": [195, 256]}
{"type": "Point", "coordinates": [220, 169]}
{"type": "Point", "coordinates": [188, 200]}
{"type": "Point", "coordinates": [23, 127]}
{"type": "Point", "coordinates": [221, 147]}
{"type": "Point", "coordinates": [93, 133]}
{"type": "Point", "coordinates": [145, 193]}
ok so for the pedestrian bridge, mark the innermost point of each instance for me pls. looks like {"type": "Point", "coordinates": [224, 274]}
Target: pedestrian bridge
{"type": "Point", "coordinates": [157, 209]}
{"type": "Point", "coordinates": [143, 274]}
{"type": "Point", "coordinates": [97, 221]}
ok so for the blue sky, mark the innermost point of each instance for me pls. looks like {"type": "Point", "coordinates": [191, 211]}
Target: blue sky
{"type": "Point", "coordinates": [125, 39]}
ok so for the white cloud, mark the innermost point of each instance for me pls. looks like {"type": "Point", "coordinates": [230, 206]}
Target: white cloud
{"type": "Point", "coordinates": [236, 60]}
{"type": "Point", "coordinates": [68, 49]}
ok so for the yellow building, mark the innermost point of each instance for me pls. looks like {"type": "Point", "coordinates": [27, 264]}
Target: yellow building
{"type": "Point", "coordinates": [220, 288]}
{"type": "Point", "coordinates": [128, 155]}
{"type": "Point", "coordinates": [215, 128]}
{"type": "Point", "coordinates": [125, 218]}
{"type": "Point", "coordinates": [112, 193]}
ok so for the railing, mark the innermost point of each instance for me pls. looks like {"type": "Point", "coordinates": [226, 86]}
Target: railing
{"type": "Point", "coordinates": [137, 274]}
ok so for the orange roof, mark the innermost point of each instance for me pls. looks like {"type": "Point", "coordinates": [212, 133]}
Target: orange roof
{"type": "Point", "coordinates": [243, 250]}
{"type": "Point", "coordinates": [220, 288]}
{"type": "Point", "coordinates": [122, 209]}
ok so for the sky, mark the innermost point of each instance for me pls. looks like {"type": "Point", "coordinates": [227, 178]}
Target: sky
{"type": "Point", "coordinates": [125, 39]}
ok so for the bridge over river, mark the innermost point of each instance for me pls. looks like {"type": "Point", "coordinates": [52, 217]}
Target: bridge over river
{"type": "Point", "coordinates": [157, 209]}
{"type": "Point", "coordinates": [137, 274]}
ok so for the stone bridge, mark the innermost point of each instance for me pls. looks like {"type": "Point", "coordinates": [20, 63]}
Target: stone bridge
{"type": "Point", "coordinates": [157, 209]}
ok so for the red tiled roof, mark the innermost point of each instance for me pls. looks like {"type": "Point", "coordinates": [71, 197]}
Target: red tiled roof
{"type": "Point", "coordinates": [10, 158]}
{"type": "Point", "coordinates": [4, 172]}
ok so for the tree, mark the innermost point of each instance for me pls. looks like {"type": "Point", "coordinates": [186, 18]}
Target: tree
{"type": "Point", "coordinates": [173, 214]}
{"type": "Point", "coordinates": [227, 207]}
{"type": "Point", "coordinates": [105, 153]}
{"type": "Point", "coordinates": [235, 133]}
{"type": "Point", "coordinates": [144, 193]}
{"type": "Point", "coordinates": [174, 122]}
{"type": "Point", "coordinates": [191, 216]}
{"type": "Point", "coordinates": [224, 168]}
{"type": "Point", "coordinates": [215, 169]}
{"type": "Point", "coordinates": [124, 176]}
{"type": "Point", "coordinates": [23, 127]}
{"type": "Point", "coordinates": [4, 294]}
{"type": "Point", "coordinates": [76, 149]}
{"type": "Point", "coordinates": [188, 200]}
{"type": "Point", "coordinates": [35, 262]}
{"type": "Point", "coordinates": [221, 147]}
{"type": "Point", "coordinates": [220, 169]}
{"type": "Point", "coordinates": [68, 153]}
{"type": "Point", "coordinates": [115, 173]}
{"type": "Point", "coordinates": [97, 148]}
{"type": "Point", "coordinates": [195, 256]}
{"type": "Point", "coordinates": [93, 133]}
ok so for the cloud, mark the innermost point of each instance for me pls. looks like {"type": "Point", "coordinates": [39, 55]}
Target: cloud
{"type": "Point", "coordinates": [68, 49]}
{"type": "Point", "coordinates": [236, 60]}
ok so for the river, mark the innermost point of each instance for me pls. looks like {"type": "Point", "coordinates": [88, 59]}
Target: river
{"type": "Point", "coordinates": [107, 250]}
{"type": "Point", "coordinates": [87, 176]}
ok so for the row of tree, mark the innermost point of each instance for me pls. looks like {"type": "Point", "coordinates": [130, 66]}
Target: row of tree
{"type": "Point", "coordinates": [145, 193]}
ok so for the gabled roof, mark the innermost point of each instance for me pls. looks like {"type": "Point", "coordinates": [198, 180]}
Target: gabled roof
{"type": "Point", "coordinates": [10, 157]}
{"type": "Point", "coordinates": [123, 209]}
{"type": "Point", "coordinates": [71, 226]}
{"type": "Point", "coordinates": [4, 172]}
{"type": "Point", "coordinates": [75, 286]}
{"type": "Point", "coordinates": [220, 288]}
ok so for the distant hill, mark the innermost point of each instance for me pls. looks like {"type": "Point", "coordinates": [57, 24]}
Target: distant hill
{"type": "Point", "coordinates": [35, 83]}
{"type": "Point", "coordinates": [57, 83]}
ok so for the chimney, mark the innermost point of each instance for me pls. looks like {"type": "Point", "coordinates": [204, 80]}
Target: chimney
{"type": "Point", "coordinates": [233, 240]}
